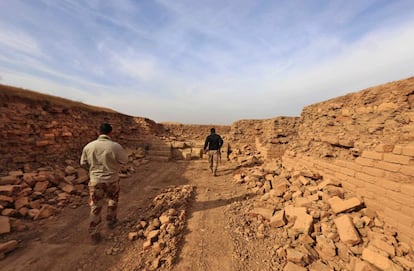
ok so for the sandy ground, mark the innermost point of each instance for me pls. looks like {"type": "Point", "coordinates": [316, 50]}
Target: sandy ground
{"type": "Point", "coordinates": [208, 242]}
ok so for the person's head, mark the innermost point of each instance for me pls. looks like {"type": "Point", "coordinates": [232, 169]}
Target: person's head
{"type": "Point", "coordinates": [213, 130]}
{"type": "Point", "coordinates": [105, 129]}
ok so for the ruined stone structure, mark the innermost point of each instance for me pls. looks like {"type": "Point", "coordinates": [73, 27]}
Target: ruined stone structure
{"type": "Point", "coordinates": [39, 130]}
{"type": "Point", "coordinates": [366, 141]}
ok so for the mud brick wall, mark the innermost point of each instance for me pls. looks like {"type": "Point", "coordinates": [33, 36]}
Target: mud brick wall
{"type": "Point", "coordinates": [270, 137]}
{"type": "Point", "coordinates": [195, 133]}
{"type": "Point", "coordinates": [37, 132]}
{"type": "Point", "coordinates": [366, 141]}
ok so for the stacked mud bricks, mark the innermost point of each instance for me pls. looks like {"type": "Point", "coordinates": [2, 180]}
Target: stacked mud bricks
{"type": "Point", "coordinates": [366, 141]}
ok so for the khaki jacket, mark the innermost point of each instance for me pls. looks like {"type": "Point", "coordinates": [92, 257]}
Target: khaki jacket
{"type": "Point", "coordinates": [104, 158]}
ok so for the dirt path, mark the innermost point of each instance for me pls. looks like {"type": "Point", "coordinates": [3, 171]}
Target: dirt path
{"type": "Point", "coordinates": [62, 243]}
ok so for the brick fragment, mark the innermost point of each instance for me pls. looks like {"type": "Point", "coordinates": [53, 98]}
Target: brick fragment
{"type": "Point", "coordinates": [338, 205]}
{"type": "Point", "coordinates": [293, 267]}
{"type": "Point", "coordinates": [8, 246]}
{"type": "Point", "coordinates": [378, 260]}
{"type": "Point", "coordinates": [346, 230]}
{"type": "Point", "coordinates": [4, 224]}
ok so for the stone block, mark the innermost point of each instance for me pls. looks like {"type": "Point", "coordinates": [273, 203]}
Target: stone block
{"type": "Point", "coordinates": [4, 224]}
{"type": "Point", "coordinates": [339, 205]}
{"type": "Point", "coordinates": [8, 180]}
{"type": "Point", "coordinates": [294, 267]}
{"type": "Point", "coordinates": [379, 261]}
{"type": "Point", "coordinates": [346, 230]}
{"type": "Point", "coordinates": [397, 159]}
{"type": "Point", "coordinates": [384, 246]}
{"type": "Point", "coordinates": [278, 219]}
{"type": "Point", "coordinates": [8, 246]}
{"type": "Point", "coordinates": [266, 213]}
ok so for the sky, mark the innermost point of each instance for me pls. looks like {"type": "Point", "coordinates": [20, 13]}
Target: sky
{"type": "Point", "coordinates": [204, 62]}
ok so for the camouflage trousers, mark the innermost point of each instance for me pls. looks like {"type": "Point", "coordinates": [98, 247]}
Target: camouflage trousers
{"type": "Point", "coordinates": [97, 195]}
{"type": "Point", "coordinates": [214, 158]}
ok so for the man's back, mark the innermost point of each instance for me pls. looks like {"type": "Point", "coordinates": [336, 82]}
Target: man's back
{"type": "Point", "coordinates": [103, 157]}
{"type": "Point", "coordinates": [213, 141]}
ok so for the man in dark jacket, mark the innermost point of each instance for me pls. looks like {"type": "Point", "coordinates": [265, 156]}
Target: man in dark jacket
{"type": "Point", "coordinates": [212, 146]}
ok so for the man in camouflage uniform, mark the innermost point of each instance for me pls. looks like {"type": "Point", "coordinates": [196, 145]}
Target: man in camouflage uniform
{"type": "Point", "coordinates": [103, 158]}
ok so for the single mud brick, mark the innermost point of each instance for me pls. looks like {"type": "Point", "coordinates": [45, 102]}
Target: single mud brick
{"type": "Point", "coordinates": [384, 246]}
{"type": "Point", "coordinates": [379, 261]}
{"type": "Point", "coordinates": [4, 224]}
{"type": "Point", "coordinates": [325, 247]}
{"type": "Point", "coordinates": [278, 219]}
{"type": "Point", "coordinates": [8, 180]}
{"type": "Point", "coordinates": [346, 230]}
{"type": "Point", "coordinates": [8, 246]}
{"type": "Point", "coordinates": [294, 267]}
{"type": "Point", "coordinates": [294, 256]}
{"type": "Point", "coordinates": [319, 266]}
{"type": "Point", "coordinates": [266, 213]}
{"type": "Point", "coordinates": [339, 205]}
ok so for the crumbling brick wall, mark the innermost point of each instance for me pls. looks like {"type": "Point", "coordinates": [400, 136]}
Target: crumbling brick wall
{"type": "Point", "coordinates": [269, 137]}
{"type": "Point", "coordinates": [40, 132]}
{"type": "Point", "coordinates": [366, 141]}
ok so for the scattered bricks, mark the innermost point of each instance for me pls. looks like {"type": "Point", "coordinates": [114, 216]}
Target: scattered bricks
{"type": "Point", "coordinates": [69, 170]}
{"type": "Point", "coordinates": [378, 260]}
{"type": "Point", "coordinates": [8, 180]}
{"type": "Point", "coordinates": [294, 267]}
{"type": "Point", "coordinates": [294, 256]}
{"type": "Point", "coordinates": [8, 246]}
{"type": "Point", "coordinates": [409, 265]}
{"type": "Point", "coordinates": [384, 246]}
{"type": "Point", "coordinates": [303, 202]}
{"type": "Point", "coordinates": [338, 205]}
{"type": "Point", "coordinates": [164, 219]}
{"type": "Point", "coordinates": [304, 180]}
{"type": "Point", "coordinates": [21, 202]}
{"type": "Point", "coordinates": [326, 182]}
{"type": "Point", "coordinates": [153, 236]}
{"type": "Point", "coordinates": [41, 186]}
{"type": "Point", "coordinates": [346, 230]}
{"type": "Point", "coordinates": [6, 199]}
{"type": "Point", "coordinates": [9, 189]}
{"type": "Point", "coordinates": [17, 173]}
{"type": "Point", "coordinates": [303, 222]}
{"type": "Point", "coordinates": [68, 188]}
{"type": "Point", "coordinates": [69, 179]}
{"type": "Point", "coordinates": [30, 179]}
{"type": "Point", "coordinates": [325, 248]}
{"type": "Point", "coordinates": [132, 236]}
{"type": "Point", "coordinates": [45, 212]}
{"type": "Point", "coordinates": [266, 213]}
{"type": "Point", "coordinates": [278, 219]}
{"type": "Point", "coordinates": [319, 266]}
{"type": "Point", "coordinates": [372, 155]}
{"type": "Point", "coordinates": [397, 159]}
{"type": "Point", "coordinates": [4, 224]}
{"type": "Point", "coordinates": [147, 244]}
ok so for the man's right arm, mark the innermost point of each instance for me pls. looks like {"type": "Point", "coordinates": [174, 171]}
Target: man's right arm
{"type": "Point", "coordinates": [84, 160]}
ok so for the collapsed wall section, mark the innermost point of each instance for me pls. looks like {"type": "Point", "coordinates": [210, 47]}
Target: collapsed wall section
{"type": "Point", "coordinates": [366, 141]}
{"type": "Point", "coordinates": [46, 132]}
{"type": "Point", "coordinates": [269, 137]}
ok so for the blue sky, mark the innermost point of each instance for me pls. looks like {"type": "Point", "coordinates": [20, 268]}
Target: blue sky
{"type": "Point", "coordinates": [204, 62]}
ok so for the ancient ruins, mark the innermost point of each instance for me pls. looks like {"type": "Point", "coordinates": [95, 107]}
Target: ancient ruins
{"type": "Point", "coordinates": [333, 188]}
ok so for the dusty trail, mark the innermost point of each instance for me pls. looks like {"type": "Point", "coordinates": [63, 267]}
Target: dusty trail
{"type": "Point", "coordinates": [208, 245]}
{"type": "Point", "coordinates": [62, 243]}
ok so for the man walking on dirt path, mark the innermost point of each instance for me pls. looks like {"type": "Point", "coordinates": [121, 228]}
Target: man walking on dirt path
{"type": "Point", "coordinates": [212, 145]}
{"type": "Point", "coordinates": [103, 158]}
